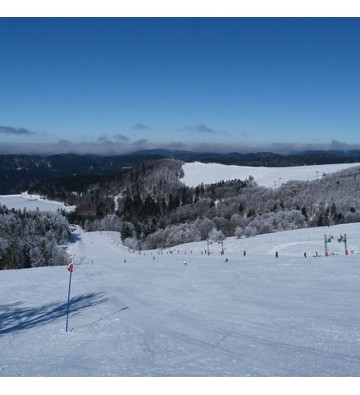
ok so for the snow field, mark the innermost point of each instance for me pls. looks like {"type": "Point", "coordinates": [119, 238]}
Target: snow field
{"type": "Point", "coordinates": [196, 173]}
{"type": "Point", "coordinates": [32, 202]}
{"type": "Point", "coordinates": [252, 316]}
{"type": "Point", "coordinates": [133, 316]}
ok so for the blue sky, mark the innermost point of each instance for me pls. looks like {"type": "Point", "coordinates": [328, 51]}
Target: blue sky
{"type": "Point", "coordinates": [113, 85]}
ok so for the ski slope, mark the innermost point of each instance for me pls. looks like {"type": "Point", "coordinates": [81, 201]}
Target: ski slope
{"type": "Point", "coordinates": [148, 315]}
{"type": "Point", "coordinates": [196, 173]}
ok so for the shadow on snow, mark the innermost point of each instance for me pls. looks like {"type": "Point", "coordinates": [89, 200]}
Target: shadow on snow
{"type": "Point", "coordinates": [74, 238]}
{"type": "Point", "coordinates": [15, 317]}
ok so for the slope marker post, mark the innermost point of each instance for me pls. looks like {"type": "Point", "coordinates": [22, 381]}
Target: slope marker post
{"type": "Point", "coordinates": [70, 268]}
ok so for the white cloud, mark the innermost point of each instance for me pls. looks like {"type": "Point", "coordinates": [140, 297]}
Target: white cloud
{"type": "Point", "coordinates": [105, 146]}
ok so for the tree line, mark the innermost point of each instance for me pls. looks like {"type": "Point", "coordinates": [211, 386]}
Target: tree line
{"type": "Point", "coordinates": [32, 238]}
{"type": "Point", "coordinates": [152, 208]}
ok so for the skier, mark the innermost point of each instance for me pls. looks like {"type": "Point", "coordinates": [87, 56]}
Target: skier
{"type": "Point", "coordinates": [184, 262]}
{"type": "Point", "coordinates": [276, 254]}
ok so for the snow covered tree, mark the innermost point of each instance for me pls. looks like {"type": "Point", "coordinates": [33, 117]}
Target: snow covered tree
{"type": "Point", "coordinates": [204, 226]}
{"type": "Point", "coordinates": [31, 238]}
{"type": "Point", "coordinates": [216, 235]}
{"type": "Point", "coordinates": [239, 231]}
{"type": "Point", "coordinates": [250, 231]}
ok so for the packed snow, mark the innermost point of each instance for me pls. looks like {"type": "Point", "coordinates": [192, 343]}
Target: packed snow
{"type": "Point", "coordinates": [182, 312]}
{"type": "Point", "coordinates": [196, 173]}
{"type": "Point", "coordinates": [150, 314]}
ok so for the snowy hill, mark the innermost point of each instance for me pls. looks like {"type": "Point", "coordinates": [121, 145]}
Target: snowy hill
{"type": "Point", "coordinates": [32, 202]}
{"type": "Point", "coordinates": [149, 314]}
{"type": "Point", "coordinates": [196, 173]}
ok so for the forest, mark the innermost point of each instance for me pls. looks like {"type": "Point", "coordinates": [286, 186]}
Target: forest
{"type": "Point", "coordinates": [32, 238]}
{"type": "Point", "coordinates": [152, 208]}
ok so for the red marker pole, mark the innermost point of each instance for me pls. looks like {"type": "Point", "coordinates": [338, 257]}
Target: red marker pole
{"type": "Point", "coordinates": [70, 268]}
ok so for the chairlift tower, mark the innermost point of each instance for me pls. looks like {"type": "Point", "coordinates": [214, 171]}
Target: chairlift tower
{"type": "Point", "coordinates": [345, 242]}
{"type": "Point", "coordinates": [326, 246]}
{"type": "Point", "coordinates": [327, 240]}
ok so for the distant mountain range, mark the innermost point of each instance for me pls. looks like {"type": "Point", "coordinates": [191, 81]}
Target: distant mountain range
{"type": "Point", "coordinates": [268, 159]}
{"type": "Point", "coordinates": [19, 173]}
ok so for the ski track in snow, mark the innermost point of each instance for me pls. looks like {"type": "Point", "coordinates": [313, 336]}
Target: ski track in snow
{"type": "Point", "coordinates": [252, 316]}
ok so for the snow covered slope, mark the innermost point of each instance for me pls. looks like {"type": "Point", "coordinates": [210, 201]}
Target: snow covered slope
{"type": "Point", "coordinates": [196, 173]}
{"type": "Point", "coordinates": [32, 202]}
{"type": "Point", "coordinates": [148, 314]}
{"type": "Point", "coordinates": [208, 173]}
